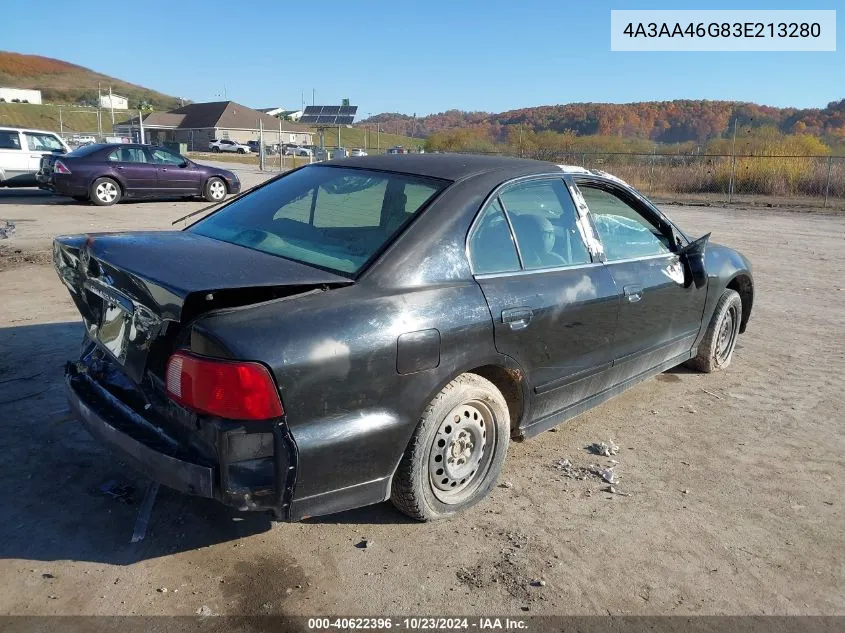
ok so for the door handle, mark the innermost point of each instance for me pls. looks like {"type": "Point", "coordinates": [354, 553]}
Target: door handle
{"type": "Point", "coordinates": [517, 318]}
{"type": "Point", "coordinates": [634, 293]}
{"type": "Point", "coordinates": [120, 168]}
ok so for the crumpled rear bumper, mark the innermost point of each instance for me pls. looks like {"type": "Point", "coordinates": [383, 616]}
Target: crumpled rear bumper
{"type": "Point", "coordinates": [178, 474]}
{"type": "Point", "coordinates": [233, 476]}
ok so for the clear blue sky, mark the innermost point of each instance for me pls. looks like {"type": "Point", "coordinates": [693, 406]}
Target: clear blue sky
{"type": "Point", "coordinates": [410, 57]}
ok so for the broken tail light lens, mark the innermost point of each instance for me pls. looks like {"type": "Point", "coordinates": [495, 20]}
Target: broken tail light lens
{"type": "Point", "coordinates": [229, 389]}
{"type": "Point", "coordinates": [60, 168]}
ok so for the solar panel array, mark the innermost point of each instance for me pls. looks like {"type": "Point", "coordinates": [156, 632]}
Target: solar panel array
{"type": "Point", "coordinates": [328, 115]}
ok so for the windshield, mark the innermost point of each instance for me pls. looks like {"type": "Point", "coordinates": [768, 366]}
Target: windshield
{"type": "Point", "coordinates": [334, 218]}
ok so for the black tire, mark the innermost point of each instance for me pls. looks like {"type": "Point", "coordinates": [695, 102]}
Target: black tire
{"type": "Point", "coordinates": [241, 150]}
{"type": "Point", "coordinates": [215, 150]}
{"type": "Point", "coordinates": [105, 192]}
{"type": "Point", "coordinates": [80, 198]}
{"type": "Point", "coordinates": [458, 412]}
{"type": "Point", "coordinates": [717, 347]}
{"type": "Point", "coordinates": [215, 190]}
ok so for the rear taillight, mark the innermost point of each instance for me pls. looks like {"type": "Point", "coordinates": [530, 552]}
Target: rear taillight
{"type": "Point", "coordinates": [228, 389]}
{"type": "Point", "coordinates": [60, 168]}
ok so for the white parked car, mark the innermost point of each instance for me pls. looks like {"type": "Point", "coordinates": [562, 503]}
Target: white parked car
{"type": "Point", "coordinates": [225, 145]}
{"type": "Point", "coordinates": [293, 150]}
{"type": "Point", "coordinates": [340, 152]}
{"type": "Point", "coordinates": [20, 154]}
{"type": "Point", "coordinates": [359, 152]}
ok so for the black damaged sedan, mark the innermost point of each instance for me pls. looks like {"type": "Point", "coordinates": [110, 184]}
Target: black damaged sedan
{"type": "Point", "coordinates": [380, 327]}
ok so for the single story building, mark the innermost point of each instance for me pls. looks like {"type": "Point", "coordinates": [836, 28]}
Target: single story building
{"type": "Point", "coordinates": [198, 124]}
{"type": "Point", "coordinates": [20, 95]}
{"type": "Point", "coordinates": [114, 101]}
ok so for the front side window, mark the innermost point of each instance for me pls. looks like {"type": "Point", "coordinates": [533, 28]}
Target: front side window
{"type": "Point", "coordinates": [42, 142]}
{"type": "Point", "coordinates": [491, 247]}
{"type": "Point", "coordinates": [128, 155]}
{"type": "Point", "coordinates": [163, 157]}
{"type": "Point", "coordinates": [9, 140]}
{"type": "Point", "coordinates": [334, 218]}
{"type": "Point", "coordinates": [624, 231]}
{"type": "Point", "coordinates": [544, 222]}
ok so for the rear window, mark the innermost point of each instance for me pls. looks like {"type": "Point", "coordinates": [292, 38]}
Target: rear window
{"type": "Point", "coordinates": [85, 150]}
{"type": "Point", "coordinates": [333, 218]}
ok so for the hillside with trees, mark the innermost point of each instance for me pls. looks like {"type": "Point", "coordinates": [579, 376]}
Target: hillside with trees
{"type": "Point", "coordinates": [61, 82]}
{"type": "Point", "coordinates": [669, 122]}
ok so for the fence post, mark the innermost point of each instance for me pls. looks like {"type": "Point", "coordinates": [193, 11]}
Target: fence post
{"type": "Point", "coordinates": [731, 181]}
{"type": "Point", "coordinates": [261, 144]}
{"type": "Point", "coordinates": [827, 186]}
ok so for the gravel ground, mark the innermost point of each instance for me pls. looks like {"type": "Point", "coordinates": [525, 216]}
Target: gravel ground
{"type": "Point", "coordinates": [729, 497]}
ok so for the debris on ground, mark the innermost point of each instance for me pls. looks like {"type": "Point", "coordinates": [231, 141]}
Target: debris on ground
{"type": "Point", "coordinates": [606, 473]}
{"type": "Point", "coordinates": [572, 472]}
{"type": "Point", "coordinates": [538, 583]}
{"type": "Point", "coordinates": [615, 491]}
{"type": "Point", "coordinates": [506, 484]}
{"type": "Point", "coordinates": [606, 449]}
{"type": "Point", "coordinates": [7, 231]}
{"type": "Point", "coordinates": [365, 544]}
{"type": "Point", "coordinates": [47, 575]}
{"type": "Point", "coordinates": [204, 611]}
{"type": "Point", "coordinates": [144, 513]}
{"type": "Point", "coordinates": [162, 589]}
{"type": "Point", "coordinates": [125, 493]}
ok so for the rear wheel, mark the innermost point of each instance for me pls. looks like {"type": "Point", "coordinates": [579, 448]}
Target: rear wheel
{"type": "Point", "coordinates": [215, 190]}
{"type": "Point", "coordinates": [717, 347]}
{"type": "Point", "coordinates": [215, 150]}
{"type": "Point", "coordinates": [456, 453]}
{"type": "Point", "coordinates": [105, 192]}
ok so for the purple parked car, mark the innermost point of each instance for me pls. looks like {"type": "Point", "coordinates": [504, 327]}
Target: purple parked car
{"type": "Point", "coordinates": [106, 173]}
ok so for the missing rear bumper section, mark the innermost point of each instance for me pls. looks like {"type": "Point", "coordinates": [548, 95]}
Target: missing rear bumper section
{"type": "Point", "coordinates": [260, 483]}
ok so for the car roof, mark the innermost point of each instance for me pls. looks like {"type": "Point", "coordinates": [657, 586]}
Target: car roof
{"type": "Point", "coordinates": [446, 166]}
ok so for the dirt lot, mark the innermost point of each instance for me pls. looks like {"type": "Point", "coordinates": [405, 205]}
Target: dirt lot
{"type": "Point", "coordinates": [734, 502]}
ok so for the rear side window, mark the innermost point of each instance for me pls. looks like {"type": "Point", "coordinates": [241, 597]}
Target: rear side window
{"type": "Point", "coordinates": [334, 218]}
{"type": "Point", "coordinates": [9, 139]}
{"type": "Point", "coordinates": [42, 142]}
{"type": "Point", "coordinates": [491, 246]}
{"type": "Point", "coordinates": [128, 155]}
{"type": "Point", "coordinates": [543, 217]}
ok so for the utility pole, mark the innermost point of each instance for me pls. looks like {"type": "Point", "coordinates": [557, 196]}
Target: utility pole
{"type": "Point", "coordinates": [61, 125]}
{"type": "Point", "coordinates": [141, 125]}
{"type": "Point", "coordinates": [111, 105]}
{"type": "Point", "coordinates": [378, 137]}
{"type": "Point", "coordinates": [99, 113]}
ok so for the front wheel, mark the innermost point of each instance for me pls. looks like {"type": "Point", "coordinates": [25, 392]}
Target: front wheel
{"type": "Point", "coordinates": [215, 190]}
{"type": "Point", "coordinates": [241, 150]}
{"type": "Point", "coordinates": [214, 150]}
{"type": "Point", "coordinates": [105, 192]}
{"type": "Point", "coordinates": [717, 347]}
{"type": "Point", "coordinates": [456, 453]}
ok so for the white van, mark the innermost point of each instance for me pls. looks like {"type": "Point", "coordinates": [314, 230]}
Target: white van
{"type": "Point", "coordinates": [20, 154]}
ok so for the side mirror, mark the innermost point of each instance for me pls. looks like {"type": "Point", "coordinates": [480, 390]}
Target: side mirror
{"type": "Point", "coordinates": [184, 163]}
{"type": "Point", "coordinates": [692, 257]}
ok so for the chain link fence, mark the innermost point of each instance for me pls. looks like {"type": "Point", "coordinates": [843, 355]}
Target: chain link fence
{"type": "Point", "coordinates": [807, 180]}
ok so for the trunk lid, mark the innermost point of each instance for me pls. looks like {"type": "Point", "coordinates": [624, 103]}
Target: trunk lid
{"type": "Point", "coordinates": [133, 289]}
